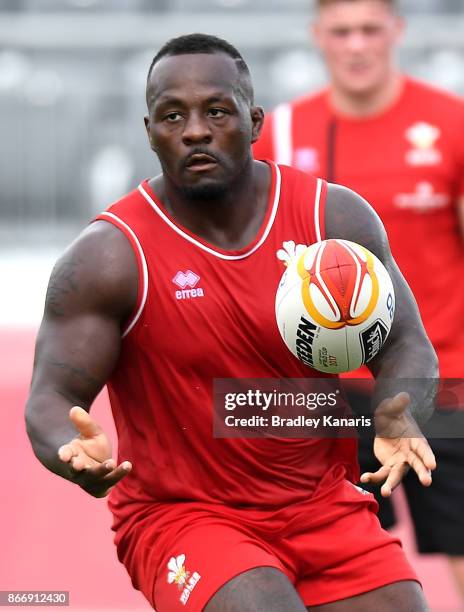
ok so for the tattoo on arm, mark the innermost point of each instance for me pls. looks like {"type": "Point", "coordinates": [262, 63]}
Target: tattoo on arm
{"type": "Point", "coordinates": [62, 283]}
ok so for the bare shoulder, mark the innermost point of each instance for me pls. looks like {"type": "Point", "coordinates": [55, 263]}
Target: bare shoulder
{"type": "Point", "coordinates": [97, 272]}
{"type": "Point", "coordinates": [349, 216]}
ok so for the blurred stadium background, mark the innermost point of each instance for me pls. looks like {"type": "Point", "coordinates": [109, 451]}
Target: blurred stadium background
{"type": "Point", "coordinates": [72, 78]}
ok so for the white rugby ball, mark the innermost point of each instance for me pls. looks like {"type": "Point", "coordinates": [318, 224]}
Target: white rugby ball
{"type": "Point", "coordinates": [335, 305]}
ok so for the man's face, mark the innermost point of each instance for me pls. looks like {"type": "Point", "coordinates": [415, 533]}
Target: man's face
{"type": "Point", "coordinates": [200, 124]}
{"type": "Point", "coordinates": [357, 40]}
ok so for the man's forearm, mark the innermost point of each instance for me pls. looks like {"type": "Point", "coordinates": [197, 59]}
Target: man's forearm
{"type": "Point", "coordinates": [396, 372]}
{"type": "Point", "coordinates": [48, 427]}
{"type": "Point", "coordinates": [421, 392]}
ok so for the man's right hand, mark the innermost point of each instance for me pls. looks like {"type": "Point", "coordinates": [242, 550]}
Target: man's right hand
{"type": "Point", "coordinates": [89, 456]}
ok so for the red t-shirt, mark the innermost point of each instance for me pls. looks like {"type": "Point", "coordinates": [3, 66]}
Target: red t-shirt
{"type": "Point", "coordinates": [206, 313]}
{"type": "Point", "coordinates": [408, 163]}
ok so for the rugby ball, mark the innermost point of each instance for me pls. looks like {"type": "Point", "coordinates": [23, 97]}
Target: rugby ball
{"type": "Point", "coordinates": [335, 305]}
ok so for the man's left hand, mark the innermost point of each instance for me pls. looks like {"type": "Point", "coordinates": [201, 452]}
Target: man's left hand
{"type": "Point", "coordinates": [399, 446]}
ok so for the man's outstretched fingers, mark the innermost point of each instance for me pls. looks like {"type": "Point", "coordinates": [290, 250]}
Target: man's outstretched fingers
{"type": "Point", "coordinates": [117, 474]}
{"type": "Point", "coordinates": [98, 481]}
{"type": "Point", "coordinates": [104, 474]}
{"type": "Point", "coordinates": [375, 477]}
{"type": "Point", "coordinates": [83, 422]}
{"type": "Point", "coordinates": [423, 472]}
{"type": "Point", "coordinates": [106, 470]}
{"type": "Point", "coordinates": [81, 462]}
{"type": "Point", "coordinates": [401, 399]}
{"type": "Point", "coordinates": [421, 447]}
{"type": "Point", "coordinates": [67, 452]}
{"type": "Point", "coordinates": [394, 478]}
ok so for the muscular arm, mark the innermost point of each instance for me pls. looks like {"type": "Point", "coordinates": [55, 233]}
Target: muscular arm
{"type": "Point", "coordinates": [408, 361]}
{"type": "Point", "coordinates": [92, 291]}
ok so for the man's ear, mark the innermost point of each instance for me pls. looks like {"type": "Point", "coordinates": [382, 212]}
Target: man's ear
{"type": "Point", "coordinates": [314, 31]}
{"type": "Point", "coordinates": [257, 120]}
{"type": "Point", "coordinates": [400, 27]}
{"type": "Point", "coordinates": [146, 120]}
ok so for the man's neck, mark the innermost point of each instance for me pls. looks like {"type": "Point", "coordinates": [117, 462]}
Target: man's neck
{"type": "Point", "coordinates": [368, 103]}
{"type": "Point", "coordinates": [229, 222]}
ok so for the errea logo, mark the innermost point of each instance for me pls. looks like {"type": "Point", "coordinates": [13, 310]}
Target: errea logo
{"type": "Point", "coordinates": [184, 280]}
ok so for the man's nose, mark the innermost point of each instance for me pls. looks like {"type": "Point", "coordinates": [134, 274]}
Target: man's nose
{"type": "Point", "coordinates": [196, 129]}
{"type": "Point", "coordinates": [356, 40]}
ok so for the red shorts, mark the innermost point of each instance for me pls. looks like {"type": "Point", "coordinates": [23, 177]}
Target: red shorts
{"type": "Point", "coordinates": [331, 548]}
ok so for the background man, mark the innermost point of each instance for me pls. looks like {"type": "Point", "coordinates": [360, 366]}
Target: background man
{"type": "Point", "coordinates": [398, 142]}
{"type": "Point", "coordinates": [219, 524]}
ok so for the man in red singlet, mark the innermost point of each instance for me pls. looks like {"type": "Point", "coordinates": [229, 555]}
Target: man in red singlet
{"type": "Point", "coordinates": [398, 142]}
{"type": "Point", "coordinates": [173, 286]}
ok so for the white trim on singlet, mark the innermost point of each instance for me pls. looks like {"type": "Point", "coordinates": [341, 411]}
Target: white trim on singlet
{"type": "Point", "coordinates": [283, 150]}
{"type": "Point", "coordinates": [141, 254]}
{"type": "Point", "coordinates": [317, 206]}
{"type": "Point", "coordinates": [282, 134]}
{"type": "Point", "coordinates": [166, 219]}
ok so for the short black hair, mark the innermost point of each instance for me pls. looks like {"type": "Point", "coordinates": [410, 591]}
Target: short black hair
{"type": "Point", "coordinates": [191, 44]}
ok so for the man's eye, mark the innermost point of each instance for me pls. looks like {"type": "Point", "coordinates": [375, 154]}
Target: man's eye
{"type": "Point", "coordinates": [371, 30]}
{"type": "Point", "coordinates": [172, 117]}
{"type": "Point", "coordinates": [216, 113]}
{"type": "Point", "coordinates": [340, 32]}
